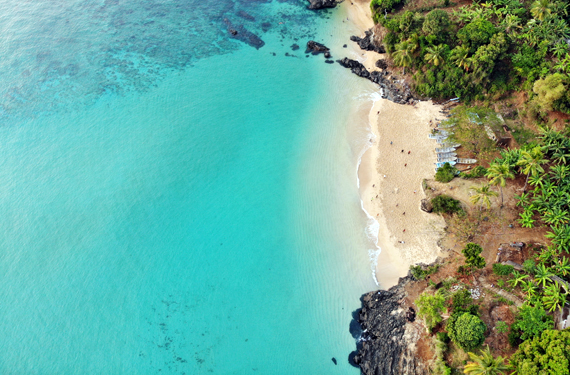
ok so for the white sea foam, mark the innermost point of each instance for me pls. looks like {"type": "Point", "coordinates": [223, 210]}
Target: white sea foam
{"type": "Point", "coordinates": [372, 225]}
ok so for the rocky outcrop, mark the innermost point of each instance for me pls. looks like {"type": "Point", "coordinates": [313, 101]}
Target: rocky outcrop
{"type": "Point", "coordinates": [242, 34]}
{"type": "Point", "coordinates": [316, 48]}
{"type": "Point", "coordinates": [390, 90]}
{"type": "Point", "coordinates": [387, 345]}
{"type": "Point", "coordinates": [426, 205]}
{"type": "Point", "coordinates": [321, 4]}
{"type": "Point", "coordinates": [367, 43]}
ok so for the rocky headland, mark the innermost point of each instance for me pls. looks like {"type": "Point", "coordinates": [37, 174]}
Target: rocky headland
{"type": "Point", "coordinates": [390, 334]}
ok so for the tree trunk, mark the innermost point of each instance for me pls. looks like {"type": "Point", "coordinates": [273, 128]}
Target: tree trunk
{"type": "Point", "coordinates": [501, 195]}
{"type": "Point", "coordinates": [526, 182]}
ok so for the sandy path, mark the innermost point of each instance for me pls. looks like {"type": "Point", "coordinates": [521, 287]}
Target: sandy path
{"type": "Point", "coordinates": [412, 237]}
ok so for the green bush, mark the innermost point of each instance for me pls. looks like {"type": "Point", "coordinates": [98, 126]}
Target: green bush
{"type": "Point", "coordinates": [443, 337]}
{"type": "Point", "coordinates": [420, 273]}
{"type": "Point", "coordinates": [436, 22]}
{"type": "Point", "coordinates": [467, 331]}
{"type": "Point", "coordinates": [430, 307]}
{"type": "Point", "coordinates": [445, 173]}
{"type": "Point", "coordinates": [445, 204]}
{"type": "Point", "coordinates": [478, 171]}
{"type": "Point", "coordinates": [384, 5]}
{"type": "Point", "coordinates": [502, 327]}
{"type": "Point", "coordinates": [532, 321]}
{"type": "Point", "coordinates": [472, 257]}
{"type": "Point", "coordinates": [461, 301]}
{"type": "Point", "coordinates": [548, 353]}
{"type": "Point", "coordinates": [502, 269]}
{"type": "Point", "coordinates": [529, 266]}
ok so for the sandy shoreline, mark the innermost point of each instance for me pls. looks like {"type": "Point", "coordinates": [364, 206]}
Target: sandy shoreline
{"type": "Point", "coordinates": [391, 180]}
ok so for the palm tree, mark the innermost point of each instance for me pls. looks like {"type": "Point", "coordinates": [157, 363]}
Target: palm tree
{"type": "Point", "coordinates": [541, 9]}
{"type": "Point", "coordinates": [556, 216]}
{"type": "Point", "coordinates": [529, 288]}
{"type": "Point", "coordinates": [526, 220]}
{"type": "Point", "coordinates": [518, 278]}
{"type": "Point", "coordinates": [559, 172]}
{"type": "Point", "coordinates": [562, 267]}
{"type": "Point", "coordinates": [542, 275]}
{"type": "Point", "coordinates": [435, 54]}
{"type": "Point", "coordinates": [485, 364]}
{"type": "Point", "coordinates": [510, 22]}
{"type": "Point", "coordinates": [560, 49]}
{"type": "Point", "coordinates": [403, 56]}
{"type": "Point", "coordinates": [536, 180]}
{"type": "Point", "coordinates": [560, 237]}
{"type": "Point", "coordinates": [483, 194]}
{"type": "Point", "coordinates": [498, 173]}
{"type": "Point", "coordinates": [460, 55]}
{"type": "Point", "coordinates": [553, 298]}
{"type": "Point", "coordinates": [531, 163]}
{"type": "Point", "coordinates": [523, 200]}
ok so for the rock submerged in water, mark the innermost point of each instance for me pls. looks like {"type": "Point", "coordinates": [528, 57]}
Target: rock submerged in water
{"type": "Point", "coordinates": [388, 340]}
{"type": "Point", "coordinates": [322, 4]}
{"type": "Point", "coordinates": [242, 34]}
{"type": "Point", "coordinates": [334, 360]}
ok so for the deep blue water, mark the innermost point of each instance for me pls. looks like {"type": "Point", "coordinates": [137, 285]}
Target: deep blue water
{"type": "Point", "coordinates": [173, 200]}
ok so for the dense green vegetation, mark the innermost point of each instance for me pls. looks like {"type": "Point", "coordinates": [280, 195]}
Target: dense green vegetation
{"type": "Point", "coordinates": [544, 354]}
{"type": "Point", "coordinates": [445, 204]}
{"type": "Point", "coordinates": [445, 173]}
{"type": "Point", "coordinates": [466, 330]}
{"type": "Point", "coordinates": [487, 48]}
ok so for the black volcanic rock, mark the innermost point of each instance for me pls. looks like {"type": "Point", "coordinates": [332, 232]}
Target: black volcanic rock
{"type": "Point", "coordinates": [316, 48]}
{"type": "Point", "coordinates": [321, 4]}
{"type": "Point", "coordinates": [388, 341]}
{"type": "Point", "coordinates": [242, 34]}
{"type": "Point", "coordinates": [367, 43]}
{"type": "Point", "coordinates": [382, 64]}
{"type": "Point", "coordinates": [390, 91]}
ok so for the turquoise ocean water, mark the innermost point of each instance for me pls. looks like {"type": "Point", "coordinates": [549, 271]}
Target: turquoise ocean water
{"type": "Point", "coordinates": [174, 201]}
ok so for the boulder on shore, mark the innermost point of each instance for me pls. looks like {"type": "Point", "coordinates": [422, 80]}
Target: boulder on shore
{"type": "Point", "coordinates": [367, 43]}
{"type": "Point", "coordinates": [322, 4]}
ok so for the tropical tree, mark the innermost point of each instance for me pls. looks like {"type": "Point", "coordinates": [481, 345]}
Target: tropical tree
{"type": "Point", "coordinates": [482, 194]}
{"type": "Point", "coordinates": [526, 220]}
{"type": "Point", "coordinates": [403, 55]}
{"type": "Point", "coordinates": [460, 55]}
{"type": "Point", "coordinates": [485, 364]}
{"type": "Point", "coordinates": [466, 330]}
{"type": "Point", "coordinates": [517, 278]}
{"type": "Point", "coordinates": [498, 174]}
{"type": "Point", "coordinates": [553, 298]}
{"type": "Point", "coordinates": [531, 163]}
{"type": "Point", "coordinates": [435, 54]}
{"type": "Point", "coordinates": [556, 216]}
{"type": "Point", "coordinates": [548, 353]}
{"type": "Point", "coordinates": [529, 288]}
{"type": "Point", "coordinates": [541, 9]}
{"type": "Point", "coordinates": [562, 266]}
{"type": "Point", "coordinates": [542, 275]}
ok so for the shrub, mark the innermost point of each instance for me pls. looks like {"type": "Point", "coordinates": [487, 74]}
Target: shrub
{"type": "Point", "coordinates": [461, 301]}
{"type": "Point", "coordinates": [445, 173]}
{"type": "Point", "coordinates": [467, 331]}
{"type": "Point", "coordinates": [478, 171]}
{"type": "Point", "coordinates": [502, 269]}
{"type": "Point", "coordinates": [472, 257]}
{"type": "Point", "coordinates": [430, 307]}
{"type": "Point", "coordinates": [529, 266]}
{"type": "Point", "coordinates": [384, 5]}
{"type": "Point", "coordinates": [531, 322]}
{"type": "Point", "coordinates": [502, 327]}
{"type": "Point", "coordinates": [436, 22]}
{"type": "Point", "coordinates": [443, 337]}
{"type": "Point", "coordinates": [445, 204]}
{"type": "Point", "coordinates": [420, 273]}
{"type": "Point", "coordinates": [548, 353]}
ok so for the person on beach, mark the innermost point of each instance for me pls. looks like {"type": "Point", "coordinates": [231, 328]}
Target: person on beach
{"type": "Point", "coordinates": [405, 165]}
{"type": "Point", "coordinates": [402, 150]}
{"type": "Point", "coordinates": [409, 152]}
